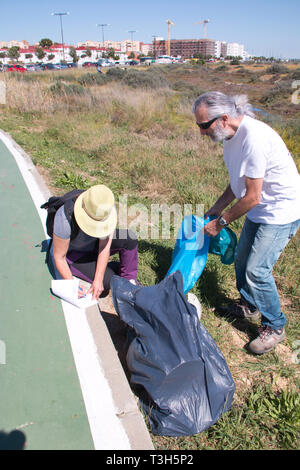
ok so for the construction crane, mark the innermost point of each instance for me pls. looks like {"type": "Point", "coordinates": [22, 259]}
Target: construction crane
{"type": "Point", "coordinates": [169, 23]}
{"type": "Point", "coordinates": [204, 22]}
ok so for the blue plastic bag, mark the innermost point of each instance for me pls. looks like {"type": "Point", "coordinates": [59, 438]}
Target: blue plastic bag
{"type": "Point", "coordinates": [190, 252]}
{"type": "Point", "coordinates": [192, 247]}
{"type": "Point", "coordinates": [224, 245]}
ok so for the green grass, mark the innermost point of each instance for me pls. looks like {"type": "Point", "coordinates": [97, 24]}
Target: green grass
{"type": "Point", "coordinates": [264, 420]}
{"type": "Point", "coordinates": [139, 138]}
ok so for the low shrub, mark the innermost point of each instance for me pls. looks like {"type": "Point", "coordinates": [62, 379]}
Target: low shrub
{"type": "Point", "coordinates": [295, 75]}
{"type": "Point", "coordinates": [282, 90]}
{"type": "Point", "coordinates": [92, 79]}
{"type": "Point", "coordinates": [115, 73]}
{"type": "Point", "coordinates": [222, 68]}
{"type": "Point", "coordinates": [59, 88]}
{"type": "Point", "coordinates": [277, 68]}
{"type": "Point", "coordinates": [141, 79]}
{"type": "Point", "coordinates": [187, 90]}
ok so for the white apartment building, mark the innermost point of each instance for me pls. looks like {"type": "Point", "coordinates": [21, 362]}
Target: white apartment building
{"type": "Point", "coordinates": [220, 49]}
{"type": "Point", "coordinates": [232, 49]}
{"type": "Point", "coordinates": [235, 50]}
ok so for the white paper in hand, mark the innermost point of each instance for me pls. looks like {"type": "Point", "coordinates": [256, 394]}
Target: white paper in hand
{"type": "Point", "coordinates": [67, 289]}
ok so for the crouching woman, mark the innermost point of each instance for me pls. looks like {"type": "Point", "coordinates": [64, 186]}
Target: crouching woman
{"type": "Point", "coordinates": [85, 236]}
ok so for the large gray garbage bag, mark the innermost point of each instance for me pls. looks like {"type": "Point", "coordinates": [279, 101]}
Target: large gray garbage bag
{"type": "Point", "coordinates": [183, 378]}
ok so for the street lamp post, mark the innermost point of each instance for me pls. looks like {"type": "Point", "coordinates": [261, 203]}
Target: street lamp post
{"type": "Point", "coordinates": [61, 29]}
{"type": "Point", "coordinates": [131, 34]}
{"type": "Point", "coordinates": [102, 25]}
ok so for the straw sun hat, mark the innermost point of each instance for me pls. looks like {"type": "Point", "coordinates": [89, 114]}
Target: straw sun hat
{"type": "Point", "coordinates": [95, 211]}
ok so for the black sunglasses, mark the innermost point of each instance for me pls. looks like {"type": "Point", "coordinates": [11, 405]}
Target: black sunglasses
{"type": "Point", "coordinates": [206, 125]}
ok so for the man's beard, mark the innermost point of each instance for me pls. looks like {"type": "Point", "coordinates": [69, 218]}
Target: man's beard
{"type": "Point", "coordinates": [220, 134]}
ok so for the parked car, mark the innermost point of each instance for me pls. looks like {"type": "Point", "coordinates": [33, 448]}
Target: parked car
{"type": "Point", "coordinates": [30, 67]}
{"type": "Point", "coordinates": [89, 64]}
{"type": "Point", "coordinates": [133, 62]}
{"type": "Point", "coordinates": [48, 67]}
{"type": "Point", "coordinates": [64, 66]}
{"type": "Point", "coordinates": [15, 68]}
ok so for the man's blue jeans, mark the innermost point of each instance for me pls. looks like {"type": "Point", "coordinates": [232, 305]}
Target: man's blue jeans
{"type": "Point", "coordinates": [259, 248]}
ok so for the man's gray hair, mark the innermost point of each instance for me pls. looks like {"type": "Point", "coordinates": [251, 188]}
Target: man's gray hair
{"type": "Point", "coordinates": [217, 104]}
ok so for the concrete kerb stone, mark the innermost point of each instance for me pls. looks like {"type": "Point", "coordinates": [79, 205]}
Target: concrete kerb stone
{"type": "Point", "coordinates": [126, 406]}
{"type": "Point", "coordinates": [125, 403]}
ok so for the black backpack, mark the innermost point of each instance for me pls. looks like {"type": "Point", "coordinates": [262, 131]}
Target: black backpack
{"type": "Point", "coordinates": [53, 204]}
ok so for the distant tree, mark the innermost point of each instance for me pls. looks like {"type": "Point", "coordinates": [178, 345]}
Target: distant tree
{"type": "Point", "coordinates": [46, 43]}
{"type": "Point", "coordinates": [2, 55]}
{"type": "Point", "coordinates": [40, 53]}
{"type": "Point", "coordinates": [50, 56]}
{"type": "Point", "coordinates": [197, 56]}
{"type": "Point", "coordinates": [88, 52]}
{"type": "Point", "coordinates": [28, 56]}
{"type": "Point", "coordinates": [111, 53]}
{"type": "Point", "coordinates": [73, 54]}
{"type": "Point", "coordinates": [13, 53]}
{"type": "Point", "coordinates": [131, 55]}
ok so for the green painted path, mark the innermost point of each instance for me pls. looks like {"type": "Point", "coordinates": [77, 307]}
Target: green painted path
{"type": "Point", "coordinates": [40, 393]}
{"type": "Point", "coordinates": [61, 381]}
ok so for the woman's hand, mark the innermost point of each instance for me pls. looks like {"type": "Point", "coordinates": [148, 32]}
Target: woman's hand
{"type": "Point", "coordinates": [96, 289]}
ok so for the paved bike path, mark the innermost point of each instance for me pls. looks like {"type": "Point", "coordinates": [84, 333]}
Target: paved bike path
{"type": "Point", "coordinates": [52, 387]}
{"type": "Point", "coordinates": [40, 391]}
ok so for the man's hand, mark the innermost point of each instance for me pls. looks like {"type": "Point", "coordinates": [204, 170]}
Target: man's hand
{"type": "Point", "coordinates": [212, 228]}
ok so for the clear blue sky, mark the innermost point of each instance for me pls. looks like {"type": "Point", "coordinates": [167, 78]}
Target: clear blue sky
{"type": "Point", "coordinates": [265, 27]}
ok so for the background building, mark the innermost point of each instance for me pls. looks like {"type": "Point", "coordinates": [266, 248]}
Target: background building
{"type": "Point", "coordinates": [184, 48]}
{"type": "Point", "coordinates": [21, 44]}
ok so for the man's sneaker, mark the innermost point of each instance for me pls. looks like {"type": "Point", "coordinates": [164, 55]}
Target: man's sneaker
{"type": "Point", "coordinates": [241, 309]}
{"type": "Point", "coordinates": [266, 340]}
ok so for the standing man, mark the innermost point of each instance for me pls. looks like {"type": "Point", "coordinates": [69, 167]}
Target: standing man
{"type": "Point", "coordinates": [265, 182]}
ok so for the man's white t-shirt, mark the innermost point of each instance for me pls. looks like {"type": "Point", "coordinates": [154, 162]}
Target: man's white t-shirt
{"type": "Point", "coordinates": [257, 151]}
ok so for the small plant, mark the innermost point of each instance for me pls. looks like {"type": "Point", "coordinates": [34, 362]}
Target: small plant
{"type": "Point", "coordinates": [283, 410]}
{"type": "Point", "coordinates": [72, 180]}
